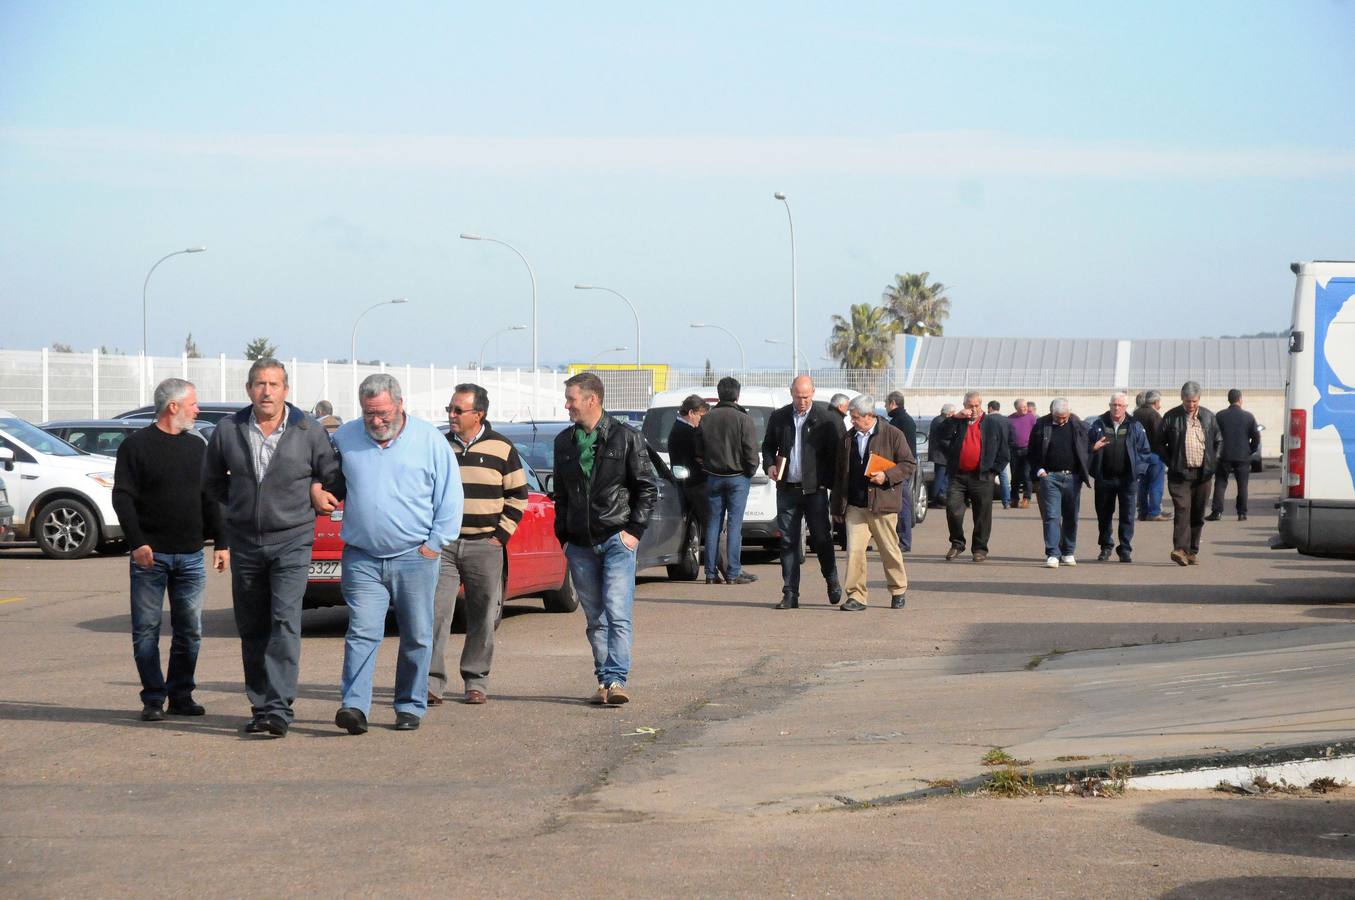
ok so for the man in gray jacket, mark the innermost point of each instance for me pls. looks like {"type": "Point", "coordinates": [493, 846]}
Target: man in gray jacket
{"type": "Point", "coordinates": [727, 446]}
{"type": "Point", "coordinates": [266, 464]}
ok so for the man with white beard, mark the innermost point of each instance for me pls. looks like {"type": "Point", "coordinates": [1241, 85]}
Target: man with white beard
{"type": "Point", "coordinates": [404, 504]}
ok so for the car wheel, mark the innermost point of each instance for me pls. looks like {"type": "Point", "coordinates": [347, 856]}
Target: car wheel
{"type": "Point", "coordinates": [66, 529]}
{"type": "Point", "coordinates": [919, 502]}
{"type": "Point", "coordinates": [565, 599]}
{"type": "Point", "coordinates": [689, 566]}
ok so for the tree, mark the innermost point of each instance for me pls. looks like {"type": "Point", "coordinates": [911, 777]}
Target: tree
{"type": "Point", "coordinates": [58, 347]}
{"type": "Point", "coordinates": [865, 340]}
{"type": "Point", "coordinates": [190, 347]}
{"type": "Point", "coordinates": [710, 374]}
{"type": "Point", "coordinates": [259, 348]}
{"type": "Point", "coordinates": [918, 307]}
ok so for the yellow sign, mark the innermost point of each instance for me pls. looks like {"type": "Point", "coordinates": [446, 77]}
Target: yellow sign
{"type": "Point", "coordinates": [660, 371]}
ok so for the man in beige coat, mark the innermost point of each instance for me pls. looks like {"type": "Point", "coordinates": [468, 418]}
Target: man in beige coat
{"type": "Point", "coordinates": [870, 504]}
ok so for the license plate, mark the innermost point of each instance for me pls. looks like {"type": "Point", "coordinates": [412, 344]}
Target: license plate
{"type": "Point", "coordinates": [325, 570]}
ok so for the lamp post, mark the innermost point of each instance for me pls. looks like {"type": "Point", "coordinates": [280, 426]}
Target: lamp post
{"type": "Point", "coordinates": [493, 336]}
{"type": "Point", "coordinates": [144, 284]}
{"type": "Point", "coordinates": [353, 349]}
{"type": "Point", "coordinates": [743, 357]}
{"type": "Point", "coordinates": [597, 357]}
{"type": "Point", "coordinates": [794, 297]}
{"type": "Point", "coordinates": [597, 287]}
{"type": "Point", "coordinates": [800, 354]}
{"type": "Point", "coordinates": [469, 236]}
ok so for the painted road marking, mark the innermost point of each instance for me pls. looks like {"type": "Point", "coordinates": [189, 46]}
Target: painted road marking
{"type": "Point", "coordinates": [10, 599]}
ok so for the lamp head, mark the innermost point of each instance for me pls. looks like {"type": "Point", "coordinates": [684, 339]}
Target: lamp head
{"type": "Point", "coordinates": [698, 324]}
{"type": "Point", "coordinates": [195, 249]}
{"type": "Point", "coordinates": [470, 236]}
{"type": "Point", "coordinates": [517, 327]}
{"type": "Point", "coordinates": [400, 300]}
{"type": "Point", "coordinates": [779, 195]}
{"type": "Point", "coordinates": [583, 287]}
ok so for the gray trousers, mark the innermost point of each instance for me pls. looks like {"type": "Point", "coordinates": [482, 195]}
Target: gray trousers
{"type": "Point", "coordinates": [479, 564]}
{"type": "Point", "coordinates": [267, 587]}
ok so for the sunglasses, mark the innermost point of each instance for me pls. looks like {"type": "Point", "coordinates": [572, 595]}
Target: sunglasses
{"type": "Point", "coordinates": [457, 411]}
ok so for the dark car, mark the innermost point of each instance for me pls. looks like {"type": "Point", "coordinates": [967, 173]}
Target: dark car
{"type": "Point", "coordinates": [103, 436]}
{"type": "Point", "coordinates": [208, 413]}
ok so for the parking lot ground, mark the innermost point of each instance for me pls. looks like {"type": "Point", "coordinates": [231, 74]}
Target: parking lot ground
{"type": "Point", "coordinates": [693, 789]}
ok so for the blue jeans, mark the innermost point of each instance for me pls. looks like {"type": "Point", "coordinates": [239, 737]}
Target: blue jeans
{"type": "Point", "coordinates": [1006, 485]}
{"type": "Point", "coordinates": [1150, 488]}
{"type": "Point", "coordinates": [371, 586]}
{"type": "Point", "coordinates": [268, 584]}
{"type": "Point", "coordinates": [184, 577]}
{"type": "Point", "coordinates": [905, 526]}
{"type": "Point", "coordinates": [727, 495]}
{"type": "Point", "coordinates": [604, 579]}
{"type": "Point", "coordinates": [940, 483]}
{"type": "Point", "coordinates": [1060, 496]}
{"type": "Point", "coordinates": [1107, 493]}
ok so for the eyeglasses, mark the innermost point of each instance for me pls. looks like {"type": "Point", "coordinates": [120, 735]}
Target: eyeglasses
{"type": "Point", "coordinates": [457, 411]}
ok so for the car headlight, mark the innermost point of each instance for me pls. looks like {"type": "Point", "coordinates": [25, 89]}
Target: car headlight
{"type": "Point", "coordinates": [104, 478]}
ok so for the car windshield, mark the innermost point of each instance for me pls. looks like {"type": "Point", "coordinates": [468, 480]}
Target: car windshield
{"type": "Point", "coordinates": [539, 454]}
{"type": "Point", "coordinates": [38, 439]}
{"type": "Point", "coordinates": [659, 423]}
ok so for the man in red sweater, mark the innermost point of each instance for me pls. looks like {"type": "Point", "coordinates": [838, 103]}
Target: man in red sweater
{"type": "Point", "coordinates": [976, 446]}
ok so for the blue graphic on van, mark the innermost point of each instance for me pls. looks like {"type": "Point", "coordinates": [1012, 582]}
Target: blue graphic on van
{"type": "Point", "coordinates": [1336, 399]}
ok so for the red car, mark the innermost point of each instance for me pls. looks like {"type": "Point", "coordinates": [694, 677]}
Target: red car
{"type": "Point", "coordinates": [535, 564]}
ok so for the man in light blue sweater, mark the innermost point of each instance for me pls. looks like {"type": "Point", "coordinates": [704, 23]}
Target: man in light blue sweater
{"type": "Point", "coordinates": [404, 503]}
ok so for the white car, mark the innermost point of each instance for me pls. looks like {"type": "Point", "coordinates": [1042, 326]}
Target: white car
{"type": "Point", "coordinates": [62, 497]}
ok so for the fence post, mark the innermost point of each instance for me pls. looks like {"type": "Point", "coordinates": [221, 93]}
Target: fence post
{"type": "Point", "coordinates": [432, 393]}
{"type": "Point", "coordinates": [324, 377]}
{"type": "Point", "coordinates": [94, 380]}
{"type": "Point", "coordinates": [184, 365]}
{"type": "Point", "coordinates": [46, 387]}
{"type": "Point", "coordinates": [409, 380]}
{"type": "Point", "coordinates": [223, 376]}
{"type": "Point", "coordinates": [141, 379]}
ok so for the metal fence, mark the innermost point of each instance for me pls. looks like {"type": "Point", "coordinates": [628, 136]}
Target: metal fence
{"type": "Point", "coordinates": [40, 385]}
{"type": "Point", "coordinates": [1167, 380]}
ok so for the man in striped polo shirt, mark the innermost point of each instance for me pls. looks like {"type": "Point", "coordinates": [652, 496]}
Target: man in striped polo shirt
{"type": "Point", "coordinates": [496, 495]}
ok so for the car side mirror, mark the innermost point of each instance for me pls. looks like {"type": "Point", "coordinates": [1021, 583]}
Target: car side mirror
{"type": "Point", "coordinates": [681, 473]}
{"type": "Point", "coordinates": [548, 484]}
{"type": "Point", "coordinates": [7, 457]}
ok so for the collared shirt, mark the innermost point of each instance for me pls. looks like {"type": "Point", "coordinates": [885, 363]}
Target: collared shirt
{"type": "Point", "coordinates": [862, 439]}
{"type": "Point", "coordinates": [479, 434]}
{"type": "Point", "coordinates": [1194, 442]}
{"type": "Point", "coordinates": [261, 446]}
{"type": "Point", "coordinates": [793, 466]}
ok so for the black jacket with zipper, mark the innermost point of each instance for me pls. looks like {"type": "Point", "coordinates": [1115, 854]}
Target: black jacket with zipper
{"type": "Point", "coordinates": [619, 497]}
{"type": "Point", "coordinates": [819, 439]}
{"type": "Point", "coordinates": [1172, 440]}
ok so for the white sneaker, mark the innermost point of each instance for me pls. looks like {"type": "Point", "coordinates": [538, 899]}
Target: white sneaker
{"type": "Point", "coordinates": [1052, 562]}
{"type": "Point", "coordinates": [1069, 561]}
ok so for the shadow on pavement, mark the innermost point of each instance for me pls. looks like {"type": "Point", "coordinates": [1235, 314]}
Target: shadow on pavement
{"type": "Point", "coordinates": [1279, 886]}
{"type": "Point", "coordinates": [219, 725]}
{"type": "Point", "coordinates": [1289, 826]}
{"type": "Point", "coordinates": [1307, 591]}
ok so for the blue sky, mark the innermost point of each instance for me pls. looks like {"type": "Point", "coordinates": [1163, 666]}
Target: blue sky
{"type": "Point", "coordinates": [1080, 169]}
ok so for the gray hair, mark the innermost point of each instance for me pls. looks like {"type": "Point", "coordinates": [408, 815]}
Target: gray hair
{"type": "Point", "coordinates": [378, 384]}
{"type": "Point", "coordinates": [1190, 390]}
{"type": "Point", "coordinates": [323, 408]}
{"type": "Point", "coordinates": [1018, 401]}
{"type": "Point", "coordinates": [972, 395]}
{"type": "Point", "coordinates": [171, 390]}
{"type": "Point", "coordinates": [266, 362]}
{"type": "Point", "coordinates": [947, 408]}
{"type": "Point", "coordinates": [837, 400]}
{"type": "Point", "coordinates": [1120, 394]}
{"type": "Point", "coordinates": [1140, 398]}
{"type": "Point", "coordinates": [1151, 397]}
{"type": "Point", "coordinates": [1058, 406]}
{"type": "Point", "coordinates": [862, 405]}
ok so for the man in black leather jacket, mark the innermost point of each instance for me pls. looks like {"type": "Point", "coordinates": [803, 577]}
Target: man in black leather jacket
{"type": "Point", "coordinates": [1189, 441]}
{"type": "Point", "coordinates": [604, 493]}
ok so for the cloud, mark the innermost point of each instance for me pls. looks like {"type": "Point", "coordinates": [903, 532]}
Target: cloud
{"type": "Point", "coordinates": [959, 154]}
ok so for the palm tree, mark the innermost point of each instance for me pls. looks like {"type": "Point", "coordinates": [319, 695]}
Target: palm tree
{"type": "Point", "coordinates": [918, 307]}
{"type": "Point", "coordinates": [865, 340]}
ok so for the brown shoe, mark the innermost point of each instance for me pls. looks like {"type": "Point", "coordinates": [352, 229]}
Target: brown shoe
{"type": "Point", "coordinates": [475, 697]}
{"type": "Point", "coordinates": [1162, 518]}
{"type": "Point", "coordinates": [434, 699]}
{"type": "Point", "coordinates": [1024, 504]}
{"type": "Point", "coordinates": [1180, 557]}
{"type": "Point", "coordinates": [599, 697]}
{"type": "Point", "coordinates": [616, 694]}
{"type": "Point", "coordinates": [952, 553]}
{"type": "Point", "coordinates": [980, 556]}
{"type": "Point", "coordinates": [1193, 559]}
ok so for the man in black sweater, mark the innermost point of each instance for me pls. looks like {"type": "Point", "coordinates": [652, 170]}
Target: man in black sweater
{"type": "Point", "coordinates": [1241, 438]}
{"type": "Point", "coordinates": [157, 494]}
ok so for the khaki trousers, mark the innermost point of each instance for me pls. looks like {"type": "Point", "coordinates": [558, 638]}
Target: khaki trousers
{"type": "Point", "coordinates": [863, 526]}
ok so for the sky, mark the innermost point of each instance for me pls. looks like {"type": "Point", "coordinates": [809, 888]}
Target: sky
{"type": "Point", "coordinates": [1067, 170]}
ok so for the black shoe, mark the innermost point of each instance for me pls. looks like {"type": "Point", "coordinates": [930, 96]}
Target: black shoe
{"type": "Point", "coordinates": [152, 712]}
{"type": "Point", "coordinates": [1125, 557]}
{"type": "Point", "coordinates": [351, 719]}
{"type": "Point", "coordinates": [405, 721]}
{"type": "Point", "coordinates": [275, 725]}
{"type": "Point", "coordinates": [953, 552]}
{"type": "Point", "coordinates": [897, 602]}
{"type": "Point", "coordinates": [1103, 555]}
{"type": "Point", "coordinates": [743, 578]}
{"type": "Point", "coordinates": [788, 601]}
{"type": "Point", "coordinates": [255, 726]}
{"type": "Point", "coordinates": [184, 706]}
{"type": "Point", "coordinates": [717, 578]}
{"type": "Point", "coordinates": [1242, 517]}
{"type": "Point", "coordinates": [834, 593]}
{"type": "Point", "coordinates": [853, 606]}
{"type": "Point", "coordinates": [1213, 517]}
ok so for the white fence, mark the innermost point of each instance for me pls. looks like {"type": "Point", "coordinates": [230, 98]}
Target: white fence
{"type": "Point", "coordinates": [40, 385]}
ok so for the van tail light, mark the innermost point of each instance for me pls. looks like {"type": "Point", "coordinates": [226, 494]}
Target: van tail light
{"type": "Point", "coordinates": [1296, 453]}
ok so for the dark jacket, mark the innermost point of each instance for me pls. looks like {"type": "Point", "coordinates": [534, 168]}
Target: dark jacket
{"type": "Point", "coordinates": [620, 495]}
{"type": "Point", "coordinates": [1172, 440]}
{"type": "Point", "coordinates": [936, 450]}
{"type": "Point", "coordinates": [818, 444]}
{"type": "Point", "coordinates": [726, 442]}
{"type": "Point", "coordinates": [1136, 443]}
{"type": "Point", "coordinates": [887, 441]}
{"type": "Point", "coordinates": [682, 450]}
{"type": "Point", "coordinates": [1039, 445]}
{"type": "Point", "coordinates": [278, 509]}
{"type": "Point", "coordinates": [995, 452]}
{"type": "Point", "coordinates": [1151, 420]}
{"type": "Point", "coordinates": [908, 425]}
{"type": "Point", "coordinates": [1241, 437]}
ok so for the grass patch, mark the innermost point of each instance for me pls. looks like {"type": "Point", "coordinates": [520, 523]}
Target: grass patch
{"type": "Point", "coordinates": [1070, 758]}
{"type": "Point", "coordinates": [1325, 785]}
{"type": "Point", "coordinates": [999, 757]}
{"type": "Point", "coordinates": [1009, 782]}
{"type": "Point", "coordinates": [1035, 661]}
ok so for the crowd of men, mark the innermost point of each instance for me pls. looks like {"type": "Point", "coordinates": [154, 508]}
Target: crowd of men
{"type": "Point", "coordinates": [426, 516]}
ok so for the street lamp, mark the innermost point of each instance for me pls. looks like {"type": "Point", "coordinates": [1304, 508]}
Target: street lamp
{"type": "Point", "coordinates": [148, 281]}
{"type": "Point", "coordinates": [493, 336]}
{"type": "Point", "coordinates": [800, 354]}
{"type": "Point", "coordinates": [597, 357]}
{"type": "Point", "coordinates": [743, 357]}
{"type": "Point", "coordinates": [353, 351]}
{"type": "Point", "coordinates": [794, 297]}
{"type": "Point", "coordinates": [468, 236]}
{"type": "Point", "coordinates": [596, 287]}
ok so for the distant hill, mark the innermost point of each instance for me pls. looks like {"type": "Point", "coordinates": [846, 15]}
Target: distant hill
{"type": "Point", "coordinates": [1259, 334]}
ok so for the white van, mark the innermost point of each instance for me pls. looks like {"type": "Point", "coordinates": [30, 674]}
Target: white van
{"type": "Point", "coordinates": [759, 517]}
{"type": "Point", "coordinates": [1317, 498]}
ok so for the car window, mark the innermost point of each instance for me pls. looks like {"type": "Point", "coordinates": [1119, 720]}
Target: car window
{"type": "Point", "coordinates": [96, 440]}
{"type": "Point", "coordinates": [533, 483]}
{"type": "Point", "coordinates": [659, 423]}
{"type": "Point", "coordinates": [38, 439]}
{"type": "Point", "coordinates": [540, 453]}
